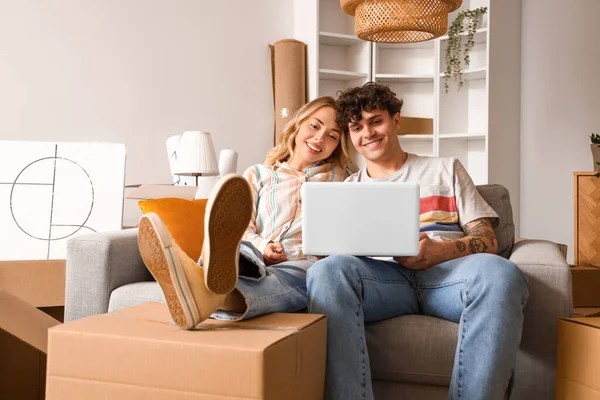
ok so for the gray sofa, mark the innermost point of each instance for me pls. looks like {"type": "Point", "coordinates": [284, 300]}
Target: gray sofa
{"type": "Point", "coordinates": [411, 356]}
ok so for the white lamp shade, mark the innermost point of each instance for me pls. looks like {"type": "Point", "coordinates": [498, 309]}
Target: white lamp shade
{"type": "Point", "coordinates": [196, 155]}
{"type": "Point", "coordinates": [228, 162]}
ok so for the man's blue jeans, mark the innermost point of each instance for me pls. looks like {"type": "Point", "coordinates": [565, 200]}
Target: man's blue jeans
{"type": "Point", "coordinates": [484, 293]}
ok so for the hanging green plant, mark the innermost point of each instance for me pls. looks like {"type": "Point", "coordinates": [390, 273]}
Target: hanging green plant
{"type": "Point", "coordinates": [465, 21]}
{"type": "Point", "coordinates": [595, 138]}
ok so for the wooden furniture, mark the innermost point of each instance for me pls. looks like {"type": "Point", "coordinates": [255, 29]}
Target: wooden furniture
{"type": "Point", "coordinates": [587, 218]}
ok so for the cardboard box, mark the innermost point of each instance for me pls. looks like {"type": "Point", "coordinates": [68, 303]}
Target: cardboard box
{"type": "Point", "coordinates": [586, 312]}
{"type": "Point", "coordinates": [23, 347]}
{"type": "Point", "coordinates": [415, 126]}
{"type": "Point", "coordinates": [578, 359]}
{"type": "Point", "coordinates": [586, 286]}
{"type": "Point", "coordinates": [137, 353]}
{"type": "Point", "coordinates": [154, 191]}
{"type": "Point", "coordinates": [41, 283]}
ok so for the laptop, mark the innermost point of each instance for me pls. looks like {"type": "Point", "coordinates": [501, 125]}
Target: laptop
{"type": "Point", "coordinates": [377, 219]}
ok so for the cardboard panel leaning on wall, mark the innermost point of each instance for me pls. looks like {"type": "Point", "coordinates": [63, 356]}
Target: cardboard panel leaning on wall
{"type": "Point", "coordinates": [289, 80]}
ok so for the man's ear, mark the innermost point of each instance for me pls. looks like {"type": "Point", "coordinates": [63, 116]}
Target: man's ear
{"type": "Point", "coordinates": [396, 119]}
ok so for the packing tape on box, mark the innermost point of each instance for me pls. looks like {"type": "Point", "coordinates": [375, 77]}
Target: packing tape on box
{"type": "Point", "coordinates": [210, 327]}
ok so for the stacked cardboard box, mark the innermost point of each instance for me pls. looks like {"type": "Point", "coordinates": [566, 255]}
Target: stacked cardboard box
{"type": "Point", "coordinates": [578, 356]}
{"type": "Point", "coordinates": [586, 290]}
{"type": "Point", "coordinates": [586, 312]}
{"type": "Point", "coordinates": [578, 359]}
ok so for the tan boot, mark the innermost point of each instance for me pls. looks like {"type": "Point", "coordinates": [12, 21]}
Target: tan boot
{"type": "Point", "coordinates": [227, 217]}
{"type": "Point", "coordinates": [180, 278]}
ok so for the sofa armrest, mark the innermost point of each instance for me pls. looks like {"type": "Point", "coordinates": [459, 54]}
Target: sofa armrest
{"type": "Point", "coordinates": [97, 264]}
{"type": "Point", "coordinates": [550, 298]}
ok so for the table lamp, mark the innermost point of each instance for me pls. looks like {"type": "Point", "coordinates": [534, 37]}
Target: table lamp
{"type": "Point", "coordinates": [196, 155]}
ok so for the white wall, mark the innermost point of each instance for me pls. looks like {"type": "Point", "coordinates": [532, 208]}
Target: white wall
{"type": "Point", "coordinates": [139, 71]}
{"type": "Point", "coordinates": [560, 107]}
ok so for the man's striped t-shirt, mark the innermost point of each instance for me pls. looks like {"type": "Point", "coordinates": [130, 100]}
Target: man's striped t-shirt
{"type": "Point", "coordinates": [449, 199]}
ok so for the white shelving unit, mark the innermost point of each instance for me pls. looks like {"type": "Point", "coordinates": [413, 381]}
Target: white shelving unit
{"type": "Point", "coordinates": [478, 124]}
{"type": "Point", "coordinates": [337, 58]}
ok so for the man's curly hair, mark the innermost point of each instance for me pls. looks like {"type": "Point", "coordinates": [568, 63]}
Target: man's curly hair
{"type": "Point", "coordinates": [351, 103]}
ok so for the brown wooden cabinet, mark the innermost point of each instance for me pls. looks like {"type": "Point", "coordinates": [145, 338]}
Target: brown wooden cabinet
{"type": "Point", "coordinates": [587, 218]}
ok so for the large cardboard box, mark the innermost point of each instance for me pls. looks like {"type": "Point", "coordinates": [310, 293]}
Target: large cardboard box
{"type": "Point", "coordinates": [41, 283]}
{"type": "Point", "coordinates": [578, 359]}
{"type": "Point", "coordinates": [23, 346]}
{"type": "Point", "coordinates": [157, 191]}
{"type": "Point", "coordinates": [586, 286]}
{"type": "Point", "coordinates": [137, 353]}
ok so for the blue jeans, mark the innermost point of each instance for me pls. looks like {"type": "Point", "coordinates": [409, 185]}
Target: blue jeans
{"type": "Point", "coordinates": [484, 293]}
{"type": "Point", "coordinates": [268, 289]}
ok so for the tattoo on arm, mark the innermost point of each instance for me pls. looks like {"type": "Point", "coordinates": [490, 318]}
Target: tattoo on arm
{"type": "Point", "coordinates": [482, 235]}
{"type": "Point", "coordinates": [476, 245]}
{"type": "Point", "coordinates": [461, 246]}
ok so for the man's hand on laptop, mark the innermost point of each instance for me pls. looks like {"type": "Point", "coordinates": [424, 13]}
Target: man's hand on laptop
{"type": "Point", "coordinates": [274, 253]}
{"type": "Point", "coordinates": [430, 254]}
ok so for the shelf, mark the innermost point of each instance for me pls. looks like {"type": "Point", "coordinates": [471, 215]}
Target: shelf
{"type": "Point", "coordinates": [337, 39]}
{"type": "Point", "coordinates": [416, 137]}
{"type": "Point", "coordinates": [479, 135]}
{"type": "Point", "coordinates": [480, 35]}
{"type": "Point", "coordinates": [337, 75]}
{"type": "Point", "coordinates": [472, 74]}
{"type": "Point", "coordinates": [403, 78]}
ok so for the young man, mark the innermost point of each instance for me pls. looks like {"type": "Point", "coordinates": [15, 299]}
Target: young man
{"type": "Point", "coordinates": [457, 276]}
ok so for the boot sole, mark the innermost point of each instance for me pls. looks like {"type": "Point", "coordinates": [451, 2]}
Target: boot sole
{"type": "Point", "coordinates": [162, 260]}
{"type": "Point", "coordinates": [229, 212]}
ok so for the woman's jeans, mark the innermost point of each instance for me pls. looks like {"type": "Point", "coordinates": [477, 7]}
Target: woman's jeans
{"type": "Point", "coordinates": [268, 289]}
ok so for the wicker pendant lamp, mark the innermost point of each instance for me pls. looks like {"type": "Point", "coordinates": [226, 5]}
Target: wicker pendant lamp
{"type": "Point", "coordinates": [399, 21]}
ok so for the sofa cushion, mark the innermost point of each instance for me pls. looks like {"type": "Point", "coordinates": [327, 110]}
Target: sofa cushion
{"type": "Point", "coordinates": [183, 218]}
{"type": "Point", "coordinates": [135, 294]}
{"type": "Point", "coordinates": [413, 349]}
{"type": "Point", "coordinates": [498, 198]}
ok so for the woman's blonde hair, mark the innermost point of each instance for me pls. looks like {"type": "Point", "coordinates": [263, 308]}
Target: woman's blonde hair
{"type": "Point", "coordinates": [284, 149]}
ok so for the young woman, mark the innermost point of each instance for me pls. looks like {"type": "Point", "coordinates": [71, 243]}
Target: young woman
{"type": "Point", "coordinates": [266, 272]}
